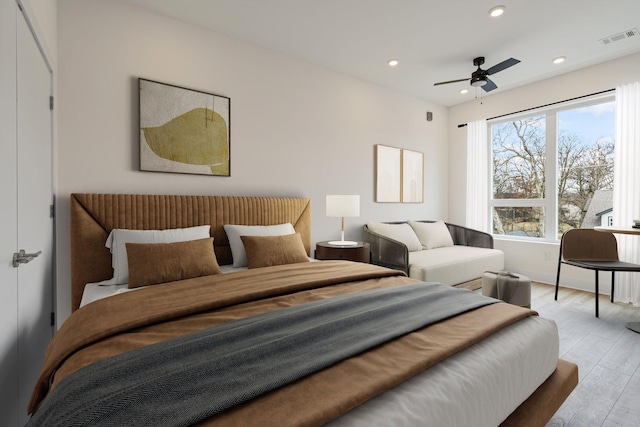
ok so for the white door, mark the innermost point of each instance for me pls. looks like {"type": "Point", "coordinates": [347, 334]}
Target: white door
{"type": "Point", "coordinates": [33, 222]}
{"type": "Point", "coordinates": [8, 218]}
{"type": "Point", "coordinates": [35, 200]}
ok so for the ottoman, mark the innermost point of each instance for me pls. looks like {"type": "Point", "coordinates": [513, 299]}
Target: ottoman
{"type": "Point", "coordinates": [508, 287]}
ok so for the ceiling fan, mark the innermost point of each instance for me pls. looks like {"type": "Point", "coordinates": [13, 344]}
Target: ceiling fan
{"type": "Point", "coordinates": [479, 77]}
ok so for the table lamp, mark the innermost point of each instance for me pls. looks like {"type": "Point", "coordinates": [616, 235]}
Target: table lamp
{"type": "Point", "coordinates": [342, 206]}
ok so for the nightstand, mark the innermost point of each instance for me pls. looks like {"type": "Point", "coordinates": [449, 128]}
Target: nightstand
{"type": "Point", "coordinates": [360, 252]}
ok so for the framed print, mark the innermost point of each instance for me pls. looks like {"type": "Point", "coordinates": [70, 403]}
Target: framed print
{"type": "Point", "coordinates": [184, 130]}
{"type": "Point", "coordinates": [412, 176]}
{"type": "Point", "coordinates": [388, 174]}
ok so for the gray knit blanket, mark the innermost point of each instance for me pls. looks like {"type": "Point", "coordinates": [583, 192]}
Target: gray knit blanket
{"type": "Point", "coordinates": [188, 379]}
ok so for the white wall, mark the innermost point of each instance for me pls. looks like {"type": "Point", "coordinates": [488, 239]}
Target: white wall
{"type": "Point", "coordinates": [296, 129]}
{"type": "Point", "coordinates": [537, 260]}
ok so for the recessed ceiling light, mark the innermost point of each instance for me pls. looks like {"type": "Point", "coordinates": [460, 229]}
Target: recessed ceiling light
{"type": "Point", "coordinates": [392, 62]}
{"type": "Point", "coordinates": [559, 60]}
{"type": "Point", "coordinates": [463, 91]}
{"type": "Point", "coordinates": [496, 11]}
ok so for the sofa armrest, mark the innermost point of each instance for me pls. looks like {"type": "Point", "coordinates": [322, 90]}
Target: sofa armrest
{"type": "Point", "coordinates": [387, 252]}
{"type": "Point", "coordinates": [470, 237]}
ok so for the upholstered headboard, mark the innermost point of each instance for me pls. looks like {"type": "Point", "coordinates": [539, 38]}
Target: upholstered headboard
{"type": "Point", "coordinates": [93, 216]}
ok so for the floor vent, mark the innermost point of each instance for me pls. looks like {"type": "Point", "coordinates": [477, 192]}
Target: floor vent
{"type": "Point", "coordinates": [620, 36]}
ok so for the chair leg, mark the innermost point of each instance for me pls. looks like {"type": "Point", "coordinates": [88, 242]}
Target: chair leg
{"type": "Point", "coordinates": [558, 280]}
{"type": "Point", "coordinates": [597, 292]}
{"type": "Point", "coordinates": [613, 284]}
{"type": "Point", "coordinates": [559, 265]}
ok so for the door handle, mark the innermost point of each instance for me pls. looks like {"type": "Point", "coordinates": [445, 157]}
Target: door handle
{"type": "Point", "coordinates": [22, 257]}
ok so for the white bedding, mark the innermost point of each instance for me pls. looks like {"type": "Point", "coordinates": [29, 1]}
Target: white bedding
{"type": "Point", "coordinates": [471, 388]}
{"type": "Point", "coordinates": [95, 291]}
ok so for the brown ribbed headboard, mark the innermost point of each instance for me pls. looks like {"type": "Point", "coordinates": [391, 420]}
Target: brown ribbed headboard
{"type": "Point", "coordinates": [93, 216]}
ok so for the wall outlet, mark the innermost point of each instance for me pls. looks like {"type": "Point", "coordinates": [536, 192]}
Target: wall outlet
{"type": "Point", "coordinates": [547, 256]}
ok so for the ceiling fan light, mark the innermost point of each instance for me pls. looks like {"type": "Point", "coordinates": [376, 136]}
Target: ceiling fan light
{"type": "Point", "coordinates": [477, 82]}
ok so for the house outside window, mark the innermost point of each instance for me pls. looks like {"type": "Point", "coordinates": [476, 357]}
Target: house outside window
{"type": "Point", "coordinates": [599, 210]}
{"type": "Point", "coordinates": [547, 166]}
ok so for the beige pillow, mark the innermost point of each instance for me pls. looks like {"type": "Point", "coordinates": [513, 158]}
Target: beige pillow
{"type": "Point", "coordinates": [265, 251]}
{"type": "Point", "coordinates": [153, 263]}
{"type": "Point", "coordinates": [401, 232]}
{"type": "Point", "coordinates": [432, 234]}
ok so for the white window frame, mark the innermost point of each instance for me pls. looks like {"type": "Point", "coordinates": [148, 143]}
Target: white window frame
{"type": "Point", "coordinates": [549, 202]}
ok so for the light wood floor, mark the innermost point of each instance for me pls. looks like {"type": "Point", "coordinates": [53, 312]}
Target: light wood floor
{"type": "Point", "coordinates": [606, 352]}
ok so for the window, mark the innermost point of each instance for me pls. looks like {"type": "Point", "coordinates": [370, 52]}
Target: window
{"type": "Point", "coordinates": [552, 170]}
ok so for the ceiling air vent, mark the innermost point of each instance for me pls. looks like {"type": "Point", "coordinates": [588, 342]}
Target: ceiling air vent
{"type": "Point", "coordinates": [620, 36]}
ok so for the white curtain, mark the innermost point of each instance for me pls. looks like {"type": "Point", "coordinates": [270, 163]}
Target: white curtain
{"type": "Point", "coordinates": [477, 210]}
{"type": "Point", "coordinates": [626, 187]}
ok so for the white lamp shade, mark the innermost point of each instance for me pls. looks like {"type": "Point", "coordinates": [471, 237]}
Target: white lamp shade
{"type": "Point", "coordinates": [343, 205]}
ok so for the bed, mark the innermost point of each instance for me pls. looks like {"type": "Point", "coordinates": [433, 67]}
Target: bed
{"type": "Point", "coordinates": [489, 364]}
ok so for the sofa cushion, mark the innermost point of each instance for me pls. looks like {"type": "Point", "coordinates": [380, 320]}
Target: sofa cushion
{"type": "Point", "coordinates": [455, 264]}
{"type": "Point", "coordinates": [432, 234]}
{"type": "Point", "coordinates": [400, 232]}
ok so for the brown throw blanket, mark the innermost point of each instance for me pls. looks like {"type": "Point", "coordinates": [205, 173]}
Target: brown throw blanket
{"type": "Point", "coordinates": [128, 321]}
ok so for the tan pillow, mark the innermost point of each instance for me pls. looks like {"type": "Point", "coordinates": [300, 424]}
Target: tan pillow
{"type": "Point", "coordinates": [264, 251]}
{"type": "Point", "coordinates": [153, 263]}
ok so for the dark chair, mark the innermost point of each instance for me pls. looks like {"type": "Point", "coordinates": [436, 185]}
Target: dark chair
{"type": "Point", "coordinates": [594, 250]}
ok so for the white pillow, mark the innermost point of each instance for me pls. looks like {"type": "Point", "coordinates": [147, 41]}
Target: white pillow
{"type": "Point", "coordinates": [432, 234]}
{"type": "Point", "coordinates": [235, 231]}
{"type": "Point", "coordinates": [400, 232]}
{"type": "Point", "coordinates": [119, 237]}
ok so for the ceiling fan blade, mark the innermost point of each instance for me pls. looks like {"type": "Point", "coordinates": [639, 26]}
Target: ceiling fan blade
{"type": "Point", "coordinates": [489, 86]}
{"type": "Point", "coordinates": [451, 81]}
{"type": "Point", "coordinates": [501, 66]}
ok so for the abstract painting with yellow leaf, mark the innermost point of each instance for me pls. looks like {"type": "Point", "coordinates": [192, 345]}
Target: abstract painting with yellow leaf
{"type": "Point", "coordinates": [183, 130]}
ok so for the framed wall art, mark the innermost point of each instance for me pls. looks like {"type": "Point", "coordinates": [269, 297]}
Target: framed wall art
{"type": "Point", "coordinates": [184, 130]}
{"type": "Point", "coordinates": [388, 175]}
{"type": "Point", "coordinates": [412, 176]}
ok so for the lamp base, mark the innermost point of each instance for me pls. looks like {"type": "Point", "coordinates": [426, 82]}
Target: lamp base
{"type": "Point", "coordinates": [342, 243]}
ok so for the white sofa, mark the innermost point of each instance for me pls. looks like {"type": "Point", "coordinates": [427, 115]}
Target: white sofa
{"type": "Point", "coordinates": [433, 251]}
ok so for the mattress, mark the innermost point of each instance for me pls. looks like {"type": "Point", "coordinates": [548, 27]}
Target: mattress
{"type": "Point", "coordinates": [472, 388]}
